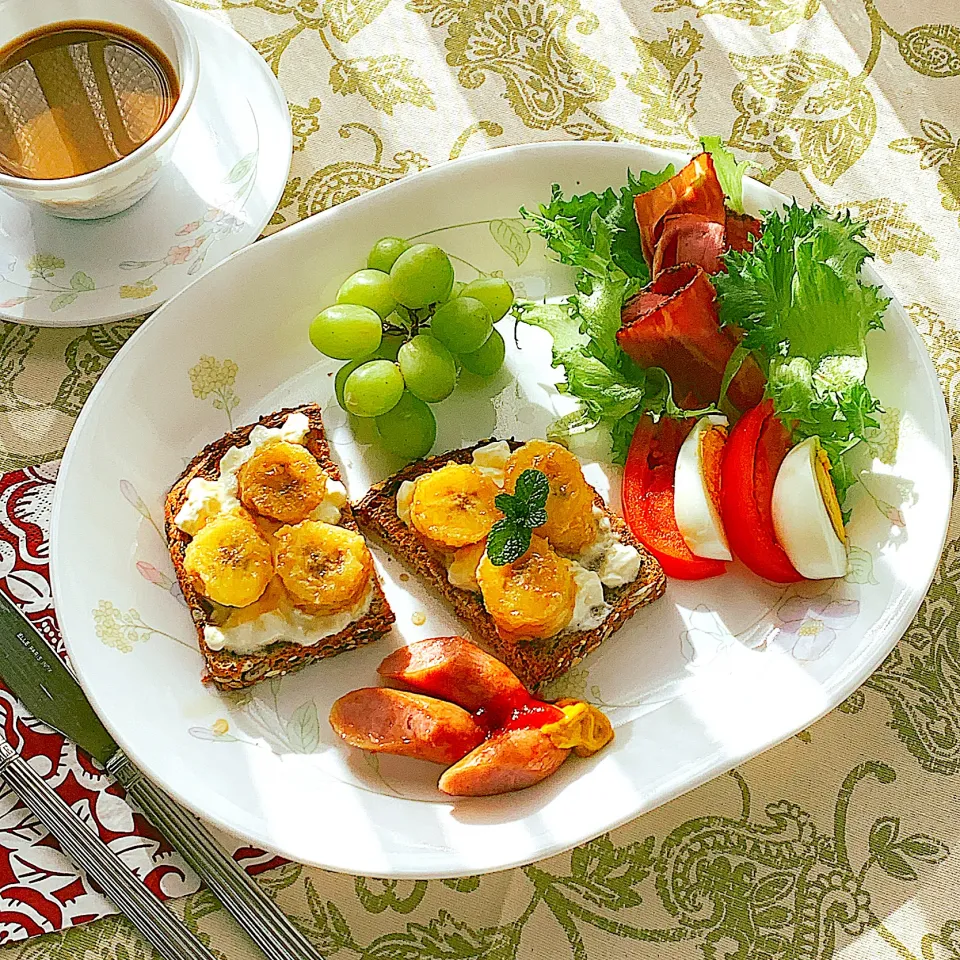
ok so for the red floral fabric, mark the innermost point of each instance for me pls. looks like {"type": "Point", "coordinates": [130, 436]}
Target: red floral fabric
{"type": "Point", "coordinates": [40, 890]}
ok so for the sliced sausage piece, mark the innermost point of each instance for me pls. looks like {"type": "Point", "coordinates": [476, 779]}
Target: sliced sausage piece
{"type": "Point", "coordinates": [455, 669]}
{"type": "Point", "coordinates": [509, 760]}
{"type": "Point", "coordinates": [408, 724]}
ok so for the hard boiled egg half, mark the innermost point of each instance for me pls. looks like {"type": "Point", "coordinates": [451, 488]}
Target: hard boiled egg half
{"type": "Point", "coordinates": [696, 493]}
{"type": "Point", "coordinates": [806, 513]}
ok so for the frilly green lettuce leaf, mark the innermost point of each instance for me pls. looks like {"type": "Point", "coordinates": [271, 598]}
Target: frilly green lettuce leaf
{"type": "Point", "coordinates": [729, 172]}
{"type": "Point", "coordinates": [805, 313]}
{"type": "Point", "coordinates": [594, 230]}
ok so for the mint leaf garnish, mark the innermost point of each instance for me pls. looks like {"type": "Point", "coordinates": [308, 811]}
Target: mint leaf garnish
{"type": "Point", "coordinates": [523, 511]}
{"type": "Point", "coordinates": [532, 489]}
{"type": "Point", "coordinates": [508, 541]}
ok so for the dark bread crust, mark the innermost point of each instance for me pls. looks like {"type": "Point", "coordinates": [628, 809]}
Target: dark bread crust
{"type": "Point", "coordinates": [234, 671]}
{"type": "Point", "coordinates": [535, 662]}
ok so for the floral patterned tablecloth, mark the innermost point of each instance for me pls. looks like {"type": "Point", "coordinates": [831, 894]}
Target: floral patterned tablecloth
{"type": "Point", "coordinates": [844, 841]}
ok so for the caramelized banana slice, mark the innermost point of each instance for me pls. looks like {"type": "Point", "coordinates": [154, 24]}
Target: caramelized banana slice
{"type": "Point", "coordinates": [531, 597]}
{"type": "Point", "coordinates": [571, 525]}
{"type": "Point", "coordinates": [454, 506]}
{"type": "Point", "coordinates": [283, 481]}
{"type": "Point", "coordinates": [324, 566]}
{"type": "Point", "coordinates": [229, 560]}
{"type": "Point", "coordinates": [274, 599]}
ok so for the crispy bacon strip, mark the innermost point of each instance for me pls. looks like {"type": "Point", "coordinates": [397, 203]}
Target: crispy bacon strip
{"type": "Point", "coordinates": [685, 220]}
{"type": "Point", "coordinates": [673, 324]}
{"type": "Point", "coordinates": [695, 189]}
{"type": "Point", "coordinates": [690, 238]}
{"type": "Point", "coordinates": [742, 231]}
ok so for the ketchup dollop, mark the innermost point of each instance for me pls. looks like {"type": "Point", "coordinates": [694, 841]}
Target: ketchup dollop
{"type": "Point", "coordinates": [516, 711]}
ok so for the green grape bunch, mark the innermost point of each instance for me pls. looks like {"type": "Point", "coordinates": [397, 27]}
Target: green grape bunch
{"type": "Point", "coordinates": [407, 328]}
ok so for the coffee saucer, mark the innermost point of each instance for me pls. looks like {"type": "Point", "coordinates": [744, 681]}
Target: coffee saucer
{"type": "Point", "coordinates": [218, 192]}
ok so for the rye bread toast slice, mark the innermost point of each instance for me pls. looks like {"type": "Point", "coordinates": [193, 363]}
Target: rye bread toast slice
{"type": "Point", "coordinates": [535, 662]}
{"type": "Point", "coordinates": [234, 671]}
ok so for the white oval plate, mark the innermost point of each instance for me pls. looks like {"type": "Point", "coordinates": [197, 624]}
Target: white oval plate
{"type": "Point", "coordinates": [706, 677]}
{"type": "Point", "coordinates": [221, 187]}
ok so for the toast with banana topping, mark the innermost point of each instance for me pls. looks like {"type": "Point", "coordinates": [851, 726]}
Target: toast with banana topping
{"type": "Point", "coordinates": [268, 554]}
{"type": "Point", "coordinates": [576, 577]}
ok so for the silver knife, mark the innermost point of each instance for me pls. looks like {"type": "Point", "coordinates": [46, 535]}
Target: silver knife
{"type": "Point", "coordinates": [42, 682]}
{"type": "Point", "coordinates": [170, 937]}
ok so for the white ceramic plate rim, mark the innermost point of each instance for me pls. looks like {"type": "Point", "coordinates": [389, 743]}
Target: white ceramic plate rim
{"type": "Point", "coordinates": [836, 689]}
{"type": "Point", "coordinates": [255, 227]}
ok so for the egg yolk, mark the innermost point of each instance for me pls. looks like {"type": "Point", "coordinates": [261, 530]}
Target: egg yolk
{"type": "Point", "coordinates": [821, 467]}
{"type": "Point", "coordinates": [712, 442]}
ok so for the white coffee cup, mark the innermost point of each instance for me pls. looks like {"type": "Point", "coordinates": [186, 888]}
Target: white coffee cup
{"type": "Point", "coordinates": [121, 184]}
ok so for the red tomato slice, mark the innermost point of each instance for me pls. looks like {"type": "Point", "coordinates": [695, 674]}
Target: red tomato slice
{"type": "Point", "coordinates": [647, 495]}
{"type": "Point", "coordinates": [752, 457]}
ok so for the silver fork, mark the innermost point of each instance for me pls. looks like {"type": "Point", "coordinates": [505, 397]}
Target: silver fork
{"type": "Point", "coordinates": [267, 926]}
{"type": "Point", "coordinates": [46, 685]}
{"type": "Point", "coordinates": [172, 940]}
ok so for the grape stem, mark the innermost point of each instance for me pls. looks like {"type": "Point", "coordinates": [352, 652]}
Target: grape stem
{"type": "Point", "coordinates": [415, 318]}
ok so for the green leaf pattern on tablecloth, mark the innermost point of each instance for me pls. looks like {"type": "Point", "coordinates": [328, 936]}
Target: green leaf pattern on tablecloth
{"type": "Point", "coordinates": [346, 179]}
{"type": "Point", "coordinates": [305, 122]}
{"type": "Point", "coordinates": [805, 111]}
{"type": "Point", "coordinates": [768, 882]}
{"type": "Point", "coordinates": [346, 18]}
{"type": "Point", "coordinates": [775, 14]}
{"type": "Point", "coordinates": [527, 45]}
{"type": "Point", "coordinates": [385, 82]}
{"type": "Point", "coordinates": [668, 81]}
{"type": "Point", "coordinates": [86, 357]}
{"type": "Point", "coordinates": [932, 49]}
{"type": "Point", "coordinates": [844, 843]}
